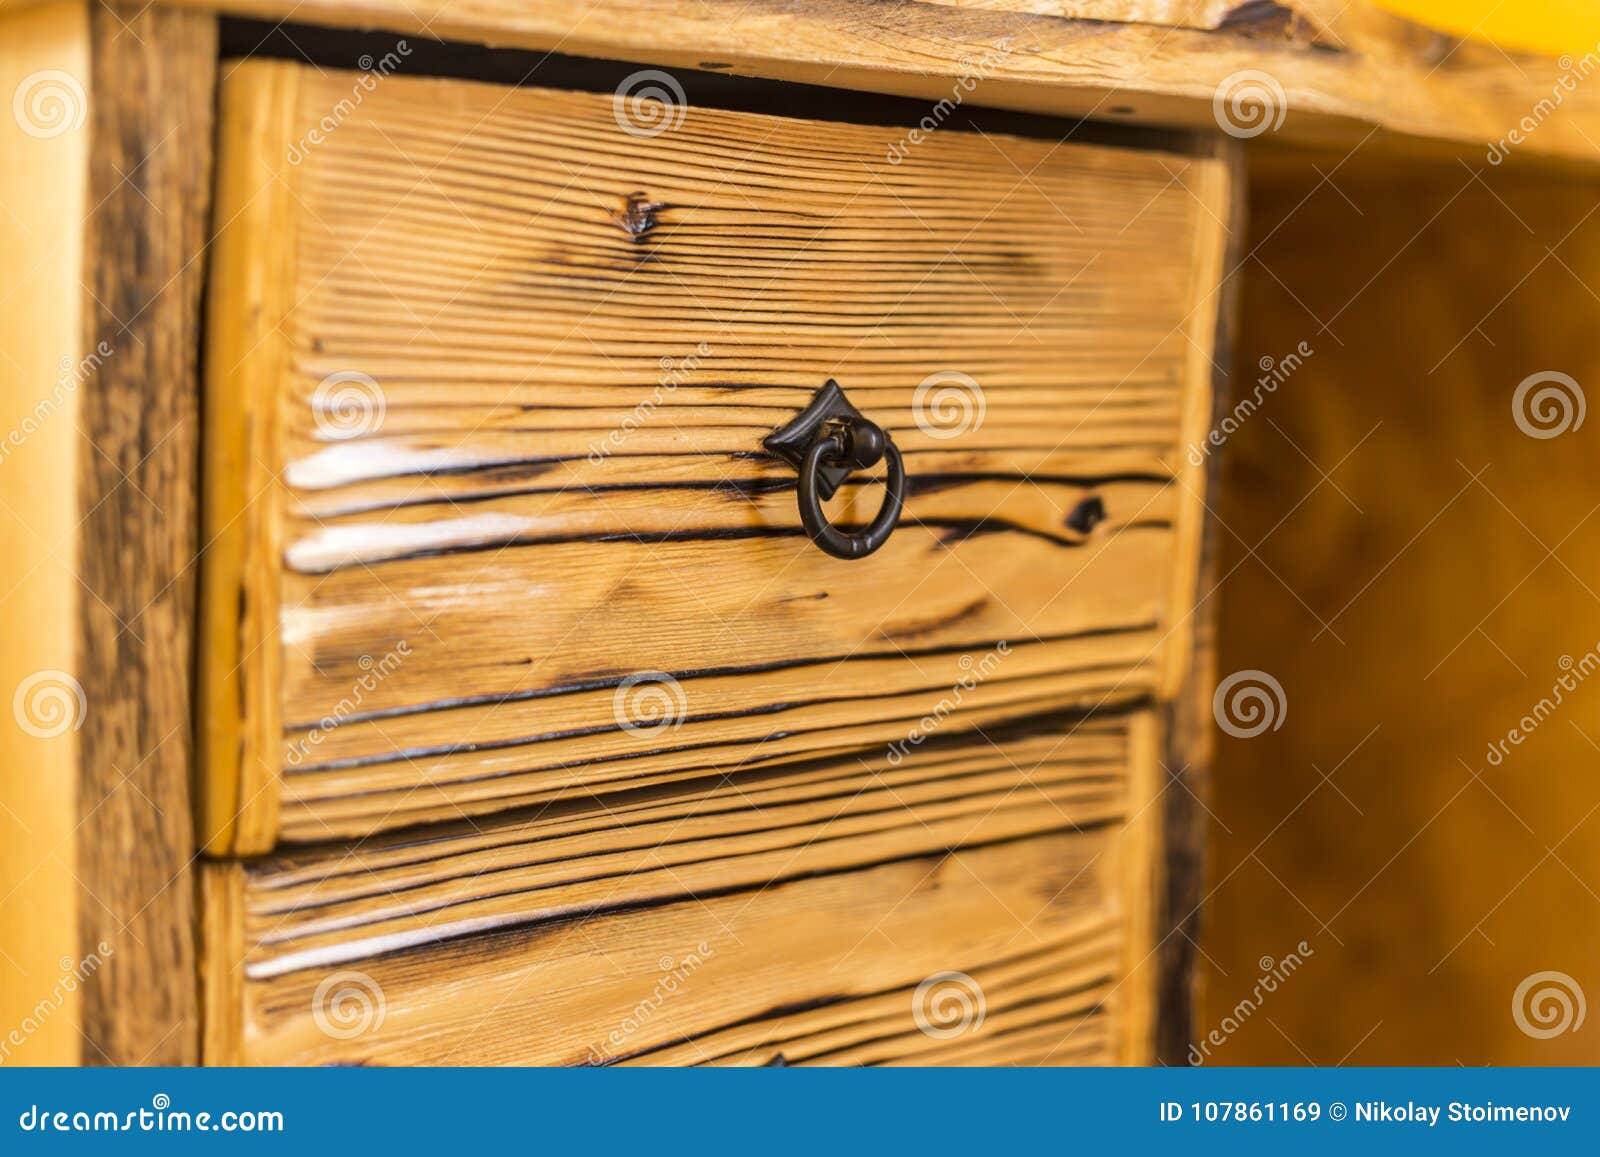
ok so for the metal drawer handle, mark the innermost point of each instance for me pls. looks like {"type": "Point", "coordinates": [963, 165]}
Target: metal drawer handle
{"type": "Point", "coordinates": [828, 441]}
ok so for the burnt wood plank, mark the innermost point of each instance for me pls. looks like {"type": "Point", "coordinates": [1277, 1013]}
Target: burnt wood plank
{"type": "Point", "coordinates": [821, 895]}
{"type": "Point", "coordinates": [150, 117]}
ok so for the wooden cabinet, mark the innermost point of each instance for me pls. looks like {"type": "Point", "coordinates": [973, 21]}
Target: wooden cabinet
{"type": "Point", "coordinates": [406, 596]}
{"type": "Point", "coordinates": [500, 564]}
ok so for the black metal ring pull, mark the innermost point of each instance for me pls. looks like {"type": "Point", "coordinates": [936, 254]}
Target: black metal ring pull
{"type": "Point", "coordinates": [841, 447]}
{"type": "Point", "coordinates": [828, 441]}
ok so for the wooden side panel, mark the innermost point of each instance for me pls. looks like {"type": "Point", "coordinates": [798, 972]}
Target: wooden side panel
{"type": "Point", "coordinates": [149, 183]}
{"type": "Point", "coordinates": [796, 912]}
{"type": "Point", "coordinates": [522, 356]}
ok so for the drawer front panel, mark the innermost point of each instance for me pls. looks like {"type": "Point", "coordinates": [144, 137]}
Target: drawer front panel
{"type": "Point", "coordinates": [983, 902]}
{"type": "Point", "coordinates": [490, 373]}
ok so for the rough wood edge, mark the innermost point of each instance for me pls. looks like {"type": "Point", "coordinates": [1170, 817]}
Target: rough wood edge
{"type": "Point", "coordinates": [249, 303]}
{"type": "Point", "coordinates": [42, 188]}
{"type": "Point", "coordinates": [1186, 719]}
{"type": "Point", "coordinates": [1216, 193]}
{"type": "Point", "coordinates": [152, 76]}
{"type": "Point", "coordinates": [1163, 860]}
{"type": "Point", "coordinates": [1344, 71]}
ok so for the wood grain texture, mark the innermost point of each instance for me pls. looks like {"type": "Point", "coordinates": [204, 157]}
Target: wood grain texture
{"type": "Point", "coordinates": [555, 482]}
{"type": "Point", "coordinates": [1168, 13]}
{"type": "Point", "coordinates": [1349, 71]}
{"type": "Point", "coordinates": [793, 911]}
{"type": "Point", "coordinates": [149, 183]}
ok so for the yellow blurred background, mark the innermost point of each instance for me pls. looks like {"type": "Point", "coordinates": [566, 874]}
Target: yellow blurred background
{"type": "Point", "coordinates": [1552, 26]}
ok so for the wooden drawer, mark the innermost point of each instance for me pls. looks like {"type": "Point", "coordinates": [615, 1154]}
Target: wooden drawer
{"type": "Point", "coordinates": [489, 374]}
{"type": "Point", "coordinates": [499, 558]}
{"type": "Point", "coordinates": [989, 902]}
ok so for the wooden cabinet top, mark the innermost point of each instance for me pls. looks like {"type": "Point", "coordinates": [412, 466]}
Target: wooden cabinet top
{"type": "Point", "coordinates": [1328, 72]}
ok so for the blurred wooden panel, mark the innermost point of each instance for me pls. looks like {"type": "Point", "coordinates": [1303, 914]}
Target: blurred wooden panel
{"type": "Point", "coordinates": [1418, 573]}
{"type": "Point", "coordinates": [42, 194]}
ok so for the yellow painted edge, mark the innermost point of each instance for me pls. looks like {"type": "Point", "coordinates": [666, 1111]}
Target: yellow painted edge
{"type": "Point", "coordinates": [44, 160]}
{"type": "Point", "coordinates": [247, 355]}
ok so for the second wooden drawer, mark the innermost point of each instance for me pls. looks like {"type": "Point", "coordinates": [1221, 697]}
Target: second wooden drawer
{"type": "Point", "coordinates": [989, 901]}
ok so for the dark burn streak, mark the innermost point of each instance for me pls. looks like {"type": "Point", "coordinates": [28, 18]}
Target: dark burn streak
{"type": "Point", "coordinates": [605, 681]}
{"type": "Point", "coordinates": [1270, 20]}
{"type": "Point", "coordinates": [934, 625]}
{"type": "Point", "coordinates": [430, 844]}
{"type": "Point", "coordinates": [950, 531]}
{"type": "Point", "coordinates": [519, 925]}
{"type": "Point", "coordinates": [445, 750]}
